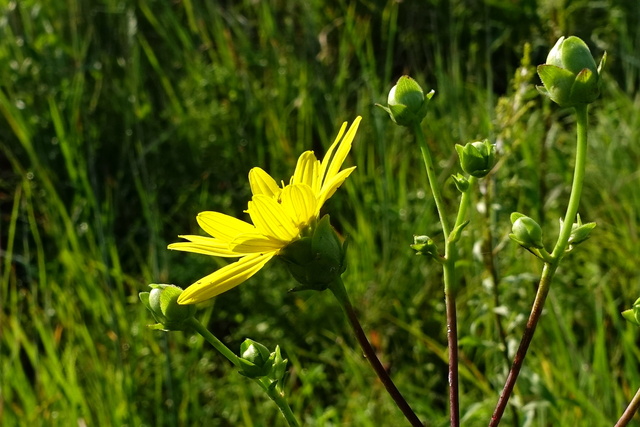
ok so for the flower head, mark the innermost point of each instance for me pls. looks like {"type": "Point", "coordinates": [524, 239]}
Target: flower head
{"type": "Point", "coordinates": [279, 217]}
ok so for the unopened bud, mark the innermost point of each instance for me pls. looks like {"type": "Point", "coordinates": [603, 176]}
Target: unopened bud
{"type": "Point", "coordinates": [407, 103]}
{"type": "Point", "coordinates": [477, 158]}
{"type": "Point", "coordinates": [570, 76]}
{"type": "Point", "coordinates": [525, 231]}
{"type": "Point", "coordinates": [162, 301]}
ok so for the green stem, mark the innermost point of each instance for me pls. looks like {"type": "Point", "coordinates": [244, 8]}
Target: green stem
{"type": "Point", "coordinates": [276, 395]}
{"type": "Point", "coordinates": [215, 342]}
{"type": "Point", "coordinates": [576, 188]}
{"type": "Point", "coordinates": [433, 181]}
{"type": "Point", "coordinates": [550, 266]}
{"type": "Point", "coordinates": [630, 411]}
{"type": "Point", "coordinates": [464, 203]}
{"type": "Point", "coordinates": [340, 293]}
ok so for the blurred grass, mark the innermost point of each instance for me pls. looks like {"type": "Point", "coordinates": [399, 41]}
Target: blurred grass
{"type": "Point", "coordinates": [123, 119]}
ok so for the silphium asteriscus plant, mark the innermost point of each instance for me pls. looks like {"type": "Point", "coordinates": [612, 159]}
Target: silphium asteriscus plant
{"type": "Point", "coordinates": [280, 216]}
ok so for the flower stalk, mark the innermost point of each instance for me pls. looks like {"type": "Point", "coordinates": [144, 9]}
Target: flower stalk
{"type": "Point", "coordinates": [275, 393]}
{"type": "Point", "coordinates": [339, 291]}
{"type": "Point", "coordinates": [551, 265]}
{"type": "Point", "coordinates": [631, 410]}
{"type": "Point", "coordinates": [449, 273]}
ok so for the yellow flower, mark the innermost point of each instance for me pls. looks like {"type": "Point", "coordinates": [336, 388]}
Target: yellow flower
{"type": "Point", "coordinates": [279, 216]}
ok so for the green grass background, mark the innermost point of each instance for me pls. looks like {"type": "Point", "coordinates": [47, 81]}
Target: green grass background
{"type": "Point", "coordinates": [121, 120]}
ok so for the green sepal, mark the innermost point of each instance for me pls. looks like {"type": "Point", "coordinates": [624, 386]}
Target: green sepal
{"type": "Point", "coordinates": [455, 234]}
{"type": "Point", "coordinates": [579, 232]}
{"type": "Point", "coordinates": [575, 54]}
{"type": "Point", "coordinates": [557, 84]}
{"type": "Point", "coordinates": [585, 88]}
{"type": "Point", "coordinates": [602, 63]}
{"type": "Point", "coordinates": [279, 367]}
{"type": "Point", "coordinates": [633, 314]}
{"type": "Point", "coordinates": [407, 93]}
{"type": "Point", "coordinates": [630, 315]}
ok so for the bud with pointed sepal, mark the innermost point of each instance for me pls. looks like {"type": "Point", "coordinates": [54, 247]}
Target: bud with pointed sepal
{"type": "Point", "coordinates": [525, 231]}
{"type": "Point", "coordinates": [570, 76]}
{"type": "Point", "coordinates": [477, 158]}
{"type": "Point", "coordinates": [407, 103]}
{"type": "Point", "coordinates": [579, 232]}
{"type": "Point", "coordinates": [424, 245]}
{"type": "Point", "coordinates": [162, 301]}
{"type": "Point", "coordinates": [633, 314]}
{"type": "Point", "coordinates": [255, 359]}
{"type": "Point", "coordinates": [461, 182]}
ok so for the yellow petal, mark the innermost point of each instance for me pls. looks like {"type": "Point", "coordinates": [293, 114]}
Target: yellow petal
{"type": "Point", "coordinates": [224, 279]}
{"type": "Point", "coordinates": [327, 156]}
{"type": "Point", "coordinates": [254, 243]}
{"type": "Point", "coordinates": [332, 185]}
{"type": "Point", "coordinates": [332, 163]}
{"type": "Point", "coordinates": [271, 219]}
{"type": "Point", "coordinates": [307, 170]}
{"type": "Point", "coordinates": [300, 203]}
{"type": "Point", "coordinates": [262, 183]}
{"type": "Point", "coordinates": [223, 227]}
{"type": "Point", "coordinates": [205, 245]}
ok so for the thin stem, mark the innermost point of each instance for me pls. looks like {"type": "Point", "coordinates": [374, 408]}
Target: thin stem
{"type": "Point", "coordinates": [452, 334]}
{"type": "Point", "coordinates": [278, 397]}
{"type": "Point", "coordinates": [576, 188]}
{"type": "Point", "coordinates": [550, 266]}
{"type": "Point", "coordinates": [340, 293]}
{"type": "Point", "coordinates": [215, 342]}
{"type": "Point", "coordinates": [449, 273]}
{"type": "Point", "coordinates": [532, 322]}
{"type": "Point", "coordinates": [630, 411]}
{"type": "Point", "coordinates": [450, 281]}
{"type": "Point", "coordinates": [433, 181]}
{"type": "Point", "coordinates": [273, 392]}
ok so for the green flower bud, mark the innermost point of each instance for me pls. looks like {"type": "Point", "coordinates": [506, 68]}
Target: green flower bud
{"type": "Point", "coordinates": [579, 232]}
{"type": "Point", "coordinates": [633, 314]}
{"type": "Point", "coordinates": [525, 231]}
{"type": "Point", "coordinates": [477, 158]}
{"type": "Point", "coordinates": [162, 301]}
{"type": "Point", "coordinates": [407, 103]}
{"type": "Point", "coordinates": [318, 260]}
{"type": "Point", "coordinates": [279, 366]}
{"type": "Point", "coordinates": [570, 76]}
{"type": "Point", "coordinates": [255, 359]}
{"type": "Point", "coordinates": [461, 182]}
{"type": "Point", "coordinates": [424, 245]}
